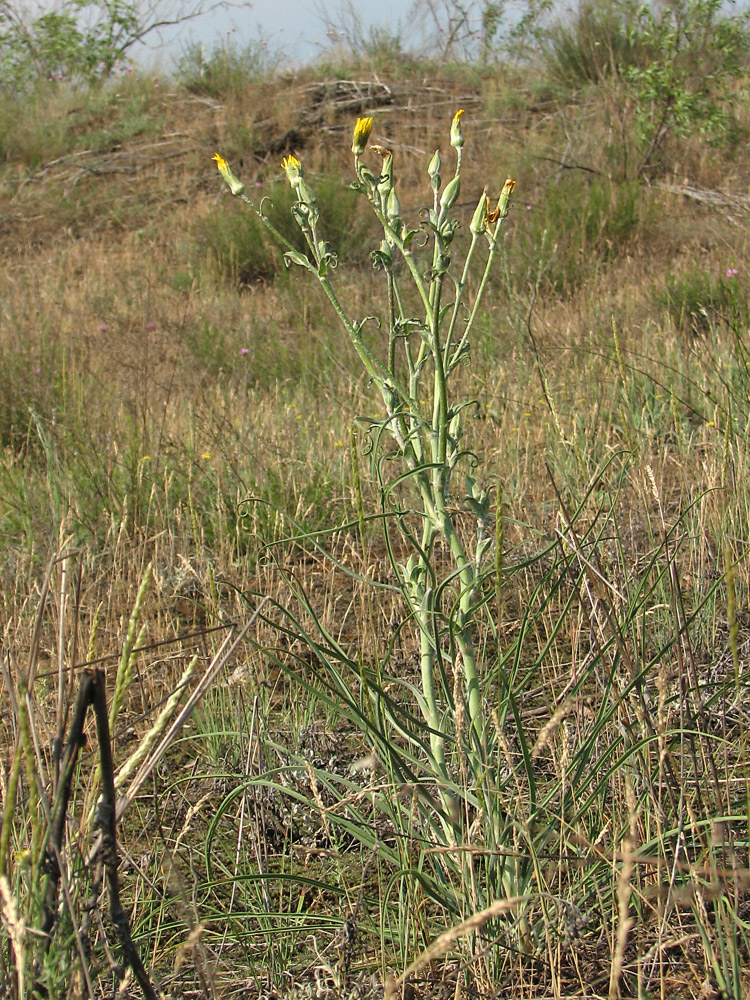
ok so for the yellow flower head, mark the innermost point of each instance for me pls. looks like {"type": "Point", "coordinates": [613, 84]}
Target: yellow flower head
{"type": "Point", "coordinates": [235, 184]}
{"type": "Point", "coordinates": [361, 134]}
{"type": "Point", "coordinates": [457, 136]}
{"type": "Point", "coordinates": [292, 169]}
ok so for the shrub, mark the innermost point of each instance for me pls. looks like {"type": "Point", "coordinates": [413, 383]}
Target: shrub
{"type": "Point", "coordinates": [698, 301]}
{"type": "Point", "coordinates": [225, 70]}
{"type": "Point", "coordinates": [580, 226]}
{"type": "Point", "coordinates": [598, 42]}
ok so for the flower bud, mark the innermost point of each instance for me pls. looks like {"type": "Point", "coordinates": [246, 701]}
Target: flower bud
{"type": "Point", "coordinates": [362, 131]}
{"type": "Point", "coordinates": [478, 222]}
{"type": "Point", "coordinates": [434, 170]}
{"type": "Point", "coordinates": [457, 136]}
{"type": "Point", "coordinates": [450, 194]}
{"type": "Point", "coordinates": [235, 184]}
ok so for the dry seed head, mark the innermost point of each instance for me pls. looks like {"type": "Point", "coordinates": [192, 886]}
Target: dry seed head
{"type": "Point", "coordinates": [654, 487]}
{"type": "Point", "coordinates": [547, 730]}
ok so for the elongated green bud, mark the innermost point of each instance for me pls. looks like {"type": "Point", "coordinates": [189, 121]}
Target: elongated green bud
{"type": "Point", "coordinates": [450, 194]}
{"type": "Point", "coordinates": [478, 222]}
{"type": "Point", "coordinates": [434, 170]}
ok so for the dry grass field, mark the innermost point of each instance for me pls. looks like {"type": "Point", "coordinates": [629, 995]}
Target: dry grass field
{"type": "Point", "coordinates": [195, 513]}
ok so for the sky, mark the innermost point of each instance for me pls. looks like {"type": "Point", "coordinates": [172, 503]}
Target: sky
{"type": "Point", "coordinates": [298, 27]}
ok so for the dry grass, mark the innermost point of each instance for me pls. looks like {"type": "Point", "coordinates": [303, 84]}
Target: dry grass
{"type": "Point", "coordinates": [145, 397]}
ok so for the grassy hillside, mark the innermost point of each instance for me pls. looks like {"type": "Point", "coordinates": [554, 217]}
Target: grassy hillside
{"type": "Point", "coordinates": [181, 419]}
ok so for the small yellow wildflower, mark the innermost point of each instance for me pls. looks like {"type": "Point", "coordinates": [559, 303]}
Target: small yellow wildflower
{"type": "Point", "coordinates": [361, 134]}
{"type": "Point", "coordinates": [235, 184]}
{"type": "Point", "coordinates": [292, 168]}
{"type": "Point", "coordinates": [457, 136]}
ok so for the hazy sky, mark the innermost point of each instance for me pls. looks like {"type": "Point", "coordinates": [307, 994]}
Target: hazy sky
{"type": "Point", "coordinates": [296, 26]}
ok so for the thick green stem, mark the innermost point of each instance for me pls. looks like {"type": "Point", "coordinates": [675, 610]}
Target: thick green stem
{"type": "Point", "coordinates": [440, 411]}
{"type": "Point", "coordinates": [464, 632]}
{"type": "Point", "coordinates": [426, 619]}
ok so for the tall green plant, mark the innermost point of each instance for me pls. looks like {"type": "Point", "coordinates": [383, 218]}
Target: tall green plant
{"type": "Point", "coordinates": [413, 374]}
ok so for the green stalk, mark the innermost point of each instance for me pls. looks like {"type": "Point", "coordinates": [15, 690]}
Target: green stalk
{"type": "Point", "coordinates": [459, 298]}
{"type": "Point", "coordinates": [27, 744]}
{"type": "Point", "coordinates": [440, 412]}
{"type": "Point", "coordinates": [426, 620]}
{"type": "Point", "coordinates": [464, 637]}
{"type": "Point", "coordinates": [372, 366]}
{"type": "Point", "coordinates": [492, 240]}
{"type": "Point", "coordinates": [9, 808]}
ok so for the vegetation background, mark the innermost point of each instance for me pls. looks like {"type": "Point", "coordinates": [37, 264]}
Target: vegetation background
{"type": "Point", "coordinates": [179, 441]}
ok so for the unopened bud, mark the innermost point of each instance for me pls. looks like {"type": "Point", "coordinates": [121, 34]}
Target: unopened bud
{"type": "Point", "coordinates": [478, 222]}
{"type": "Point", "coordinates": [450, 194]}
{"type": "Point", "coordinates": [457, 136]}
{"type": "Point", "coordinates": [434, 170]}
